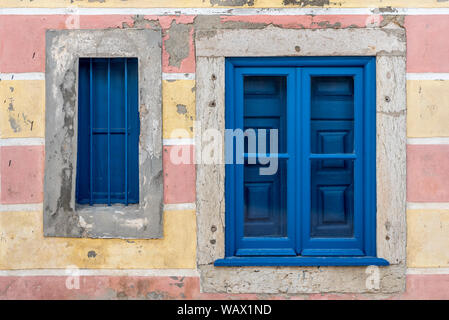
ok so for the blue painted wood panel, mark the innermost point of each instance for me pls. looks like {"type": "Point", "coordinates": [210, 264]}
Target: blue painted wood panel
{"type": "Point", "coordinates": [333, 161]}
{"type": "Point", "coordinates": [325, 181]}
{"type": "Point", "coordinates": [332, 132]}
{"type": "Point", "coordinates": [108, 131]}
{"type": "Point", "coordinates": [265, 195]}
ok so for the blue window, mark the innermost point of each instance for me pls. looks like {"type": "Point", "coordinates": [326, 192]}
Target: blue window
{"type": "Point", "coordinates": [108, 131]}
{"type": "Point", "coordinates": [313, 120]}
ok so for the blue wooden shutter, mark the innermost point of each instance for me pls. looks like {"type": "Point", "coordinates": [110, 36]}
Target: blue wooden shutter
{"type": "Point", "coordinates": [322, 201]}
{"type": "Point", "coordinates": [264, 205]}
{"type": "Point", "coordinates": [108, 131]}
{"type": "Point", "coordinates": [333, 161]}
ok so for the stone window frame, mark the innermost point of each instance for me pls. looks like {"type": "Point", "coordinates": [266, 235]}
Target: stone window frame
{"type": "Point", "coordinates": [62, 216]}
{"type": "Point", "coordinates": [388, 44]}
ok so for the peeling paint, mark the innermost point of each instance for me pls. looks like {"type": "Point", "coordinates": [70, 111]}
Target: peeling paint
{"type": "Point", "coordinates": [140, 21]}
{"type": "Point", "coordinates": [14, 125]}
{"type": "Point", "coordinates": [91, 254]}
{"type": "Point", "coordinates": [232, 3]}
{"type": "Point", "coordinates": [177, 44]}
{"type": "Point", "coordinates": [385, 10]}
{"type": "Point", "coordinates": [306, 3]}
{"type": "Point", "coordinates": [209, 22]}
{"type": "Point", "coordinates": [181, 109]}
{"type": "Point", "coordinates": [395, 19]}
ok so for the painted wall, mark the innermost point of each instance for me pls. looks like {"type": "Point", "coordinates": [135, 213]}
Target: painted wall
{"type": "Point", "coordinates": [165, 268]}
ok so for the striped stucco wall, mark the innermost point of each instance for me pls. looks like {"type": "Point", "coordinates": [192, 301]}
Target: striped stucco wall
{"type": "Point", "coordinates": [166, 268]}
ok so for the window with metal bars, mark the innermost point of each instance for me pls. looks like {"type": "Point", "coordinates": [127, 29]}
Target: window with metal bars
{"type": "Point", "coordinates": [108, 131]}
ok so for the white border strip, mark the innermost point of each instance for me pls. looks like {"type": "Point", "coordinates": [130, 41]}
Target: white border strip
{"type": "Point", "coordinates": [178, 142]}
{"type": "Point", "coordinates": [222, 11]}
{"type": "Point", "coordinates": [6, 142]}
{"type": "Point", "coordinates": [21, 207]}
{"type": "Point", "coordinates": [41, 76]}
{"type": "Point", "coordinates": [23, 76]}
{"type": "Point", "coordinates": [38, 207]}
{"type": "Point", "coordinates": [153, 272]}
{"type": "Point", "coordinates": [179, 206]}
{"type": "Point", "coordinates": [428, 271]}
{"type": "Point", "coordinates": [178, 76]}
{"type": "Point", "coordinates": [70, 271]}
{"type": "Point", "coordinates": [428, 205]}
{"type": "Point", "coordinates": [191, 76]}
{"type": "Point", "coordinates": [432, 140]}
{"type": "Point", "coordinates": [428, 76]}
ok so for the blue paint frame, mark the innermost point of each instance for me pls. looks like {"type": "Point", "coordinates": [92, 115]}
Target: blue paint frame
{"type": "Point", "coordinates": [305, 252]}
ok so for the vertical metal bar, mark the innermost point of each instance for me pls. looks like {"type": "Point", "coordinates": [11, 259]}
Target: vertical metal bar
{"type": "Point", "coordinates": [91, 180]}
{"type": "Point", "coordinates": [126, 131]}
{"type": "Point", "coordinates": [109, 132]}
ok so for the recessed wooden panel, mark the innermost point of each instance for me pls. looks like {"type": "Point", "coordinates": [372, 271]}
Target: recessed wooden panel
{"type": "Point", "coordinates": [333, 204]}
{"type": "Point", "coordinates": [259, 202]}
{"type": "Point", "coordinates": [265, 198]}
{"type": "Point", "coordinates": [332, 199]}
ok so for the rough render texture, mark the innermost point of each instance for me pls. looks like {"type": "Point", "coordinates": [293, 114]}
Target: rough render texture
{"type": "Point", "coordinates": [61, 217]}
{"type": "Point", "coordinates": [176, 287]}
{"type": "Point", "coordinates": [389, 45]}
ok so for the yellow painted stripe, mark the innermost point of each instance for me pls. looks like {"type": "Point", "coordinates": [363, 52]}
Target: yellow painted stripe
{"type": "Point", "coordinates": [22, 108]}
{"type": "Point", "coordinates": [427, 108]}
{"type": "Point", "coordinates": [178, 100]}
{"type": "Point", "coordinates": [427, 238]}
{"type": "Point", "coordinates": [21, 234]}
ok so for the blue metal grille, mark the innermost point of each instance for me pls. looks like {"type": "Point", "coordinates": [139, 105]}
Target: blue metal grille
{"type": "Point", "coordinates": [108, 131]}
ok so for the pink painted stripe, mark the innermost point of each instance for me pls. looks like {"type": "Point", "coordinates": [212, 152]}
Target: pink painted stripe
{"type": "Point", "coordinates": [97, 287]}
{"type": "Point", "coordinates": [179, 174]}
{"type": "Point", "coordinates": [22, 171]}
{"type": "Point", "coordinates": [427, 43]}
{"type": "Point", "coordinates": [428, 173]}
{"type": "Point", "coordinates": [106, 287]}
{"type": "Point", "coordinates": [140, 287]}
{"type": "Point", "coordinates": [23, 38]}
{"type": "Point", "coordinates": [429, 286]}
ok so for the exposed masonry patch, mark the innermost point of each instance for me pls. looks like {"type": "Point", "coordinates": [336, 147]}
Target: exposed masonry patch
{"type": "Point", "coordinates": [91, 254]}
{"type": "Point", "coordinates": [62, 217]}
{"type": "Point", "coordinates": [177, 42]}
{"type": "Point", "coordinates": [212, 22]}
{"type": "Point", "coordinates": [388, 44]}
{"type": "Point", "coordinates": [306, 3]}
{"type": "Point", "coordinates": [385, 10]}
{"type": "Point", "coordinates": [236, 3]}
{"type": "Point", "coordinates": [139, 21]}
{"type": "Point", "coordinates": [177, 45]}
{"type": "Point", "coordinates": [13, 124]}
{"type": "Point", "coordinates": [181, 108]}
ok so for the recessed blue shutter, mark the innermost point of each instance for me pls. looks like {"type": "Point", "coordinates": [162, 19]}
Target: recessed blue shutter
{"type": "Point", "coordinates": [264, 204]}
{"type": "Point", "coordinates": [265, 198]}
{"type": "Point", "coordinates": [108, 131]}
{"type": "Point", "coordinates": [333, 161]}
